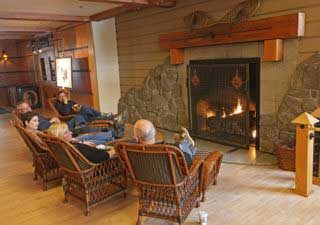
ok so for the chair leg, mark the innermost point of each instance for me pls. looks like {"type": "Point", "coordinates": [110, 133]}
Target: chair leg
{"type": "Point", "coordinates": [203, 196]}
{"type": "Point", "coordinates": [35, 176]}
{"type": "Point", "coordinates": [44, 185]}
{"type": "Point", "coordinates": [87, 212]}
{"type": "Point", "coordinates": [198, 204]}
{"type": "Point", "coordinates": [66, 198]}
{"type": "Point", "coordinates": [214, 181]}
{"type": "Point", "coordinates": [139, 220]}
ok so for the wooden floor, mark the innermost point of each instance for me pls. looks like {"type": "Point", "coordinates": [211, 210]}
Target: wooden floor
{"type": "Point", "coordinates": [247, 195]}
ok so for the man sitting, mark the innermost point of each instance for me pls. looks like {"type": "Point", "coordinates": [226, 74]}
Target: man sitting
{"type": "Point", "coordinates": [145, 133]}
{"type": "Point", "coordinates": [68, 107]}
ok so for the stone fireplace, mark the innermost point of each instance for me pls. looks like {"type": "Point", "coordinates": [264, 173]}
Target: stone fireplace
{"type": "Point", "coordinates": [223, 100]}
{"type": "Point", "coordinates": [163, 97]}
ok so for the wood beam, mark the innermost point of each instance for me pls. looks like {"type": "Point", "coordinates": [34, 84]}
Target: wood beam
{"type": "Point", "coordinates": [14, 37]}
{"type": "Point", "coordinates": [280, 27]}
{"type": "Point", "coordinates": [41, 17]}
{"type": "Point", "coordinates": [143, 2]}
{"type": "Point", "coordinates": [161, 3]}
{"type": "Point", "coordinates": [25, 29]}
{"type": "Point", "coordinates": [115, 12]}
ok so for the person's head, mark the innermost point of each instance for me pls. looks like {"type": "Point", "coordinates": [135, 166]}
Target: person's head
{"type": "Point", "coordinates": [61, 95]}
{"type": "Point", "coordinates": [60, 130]}
{"type": "Point", "coordinates": [23, 107]}
{"type": "Point", "coordinates": [30, 120]}
{"type": "Point", "coordinates": [145, 132]}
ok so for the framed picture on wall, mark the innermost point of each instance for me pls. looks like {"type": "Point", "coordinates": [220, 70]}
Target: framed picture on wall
{"type": "Point", "coordinates": [52, 69]}
{"type": "Point", "coordinates": [64, 72]}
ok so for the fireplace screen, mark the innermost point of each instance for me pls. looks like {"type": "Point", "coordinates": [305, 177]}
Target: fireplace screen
{"type": "Point", "coordinates": [220, 106]}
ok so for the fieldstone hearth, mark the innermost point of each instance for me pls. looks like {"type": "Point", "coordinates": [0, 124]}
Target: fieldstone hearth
{"type": "Point", "coordinates": [159, 99]}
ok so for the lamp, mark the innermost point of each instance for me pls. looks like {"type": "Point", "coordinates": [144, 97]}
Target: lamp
{"type": "Point", "coordinates": [5, 56]}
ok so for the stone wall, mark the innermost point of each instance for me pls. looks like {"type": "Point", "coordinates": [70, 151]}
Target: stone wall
{"type": "Point", "coordinates": [303, 96]}
{"type": "Point", "coordinates": [159, 99]}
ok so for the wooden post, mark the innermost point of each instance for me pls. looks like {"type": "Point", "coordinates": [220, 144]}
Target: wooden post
{"type": "Point", "coordinates": [273, 50]}
{"type": "Point", "coordinates": [304, 153]}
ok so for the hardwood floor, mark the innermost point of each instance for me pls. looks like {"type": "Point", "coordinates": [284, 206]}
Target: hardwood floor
{"type": "Point", "coordinates": [245, 195]}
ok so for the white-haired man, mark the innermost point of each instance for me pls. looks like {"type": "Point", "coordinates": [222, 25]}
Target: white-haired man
{"type": "Point", "coordinates": [145, 133]}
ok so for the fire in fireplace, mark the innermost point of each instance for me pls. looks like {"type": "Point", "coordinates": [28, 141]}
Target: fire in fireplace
{"type": "Point", "coordinates": [224, 100]}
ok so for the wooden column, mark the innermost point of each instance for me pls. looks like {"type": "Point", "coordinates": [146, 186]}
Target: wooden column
{"type": "Point", "coordinates": [304, 153]}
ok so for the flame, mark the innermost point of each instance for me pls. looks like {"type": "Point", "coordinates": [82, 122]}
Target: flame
{"type": "Point", "coordinates": [223, 114]}
{"type": "Point", "coordinates": [210, 113]}
{"type": "Point", "coordinates": [254, 133]}
{"type": "Point", "coordinates": [237, 109]}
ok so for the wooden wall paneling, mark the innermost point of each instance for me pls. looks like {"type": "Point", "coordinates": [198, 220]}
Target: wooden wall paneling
{"type": "Point", "coordinates": [4, 100]}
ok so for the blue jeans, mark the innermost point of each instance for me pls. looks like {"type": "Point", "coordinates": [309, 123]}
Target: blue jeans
{"type": "Point", "coordinates": [97, 138]}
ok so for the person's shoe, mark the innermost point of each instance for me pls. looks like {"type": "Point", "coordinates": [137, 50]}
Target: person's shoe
{"type": "Point", "coordinates": [185, 134]}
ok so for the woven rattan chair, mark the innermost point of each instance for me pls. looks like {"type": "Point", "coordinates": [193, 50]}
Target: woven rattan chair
{"type": "Point", "coordinates": [89, 182]}
{"type": "Point", "coordinates": [44, 165]}
{"type": "Point", "coordinates": [167, 188]}
{"type": "Point", "coordinates": [52, 102]}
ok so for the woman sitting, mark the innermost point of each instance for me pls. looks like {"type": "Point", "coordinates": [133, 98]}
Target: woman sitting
{"type": "Point", "coordinates": [31, 122]}
{"type": "Point", "coordinates": [86, 148]}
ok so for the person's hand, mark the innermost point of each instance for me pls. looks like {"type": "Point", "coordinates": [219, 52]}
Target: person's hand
{"type": "Point", "coordinates": [111, 152]}
{"type": "Point", "coordinates": [89, 143]}
{"type": "Point", "coordinates": [54, 120]}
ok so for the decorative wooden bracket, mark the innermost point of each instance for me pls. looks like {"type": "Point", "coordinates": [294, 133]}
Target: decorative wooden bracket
{"type": "Point", "coordinates": [278, 27]}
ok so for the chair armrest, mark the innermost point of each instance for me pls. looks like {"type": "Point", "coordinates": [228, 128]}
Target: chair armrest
{"type": "Point", "coordinates": [196, 164]}
{"type": "Point", "coordinates": [212, 158]}
{"type": "Point", "coordinates": [66, 118]}
{"type": "Point", "coordinates": [101, 122]}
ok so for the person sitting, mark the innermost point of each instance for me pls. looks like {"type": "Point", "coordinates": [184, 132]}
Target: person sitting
{"type": "Point", "coordinates": [87, 148]}
{"type": "Point", "coordinates": [145, 133]}
{"type": "Point", "coordinates": [67, 107]}
{"type": "Point", "coordinates": [31, 122]}
{"type": "Point", "coordinates": [44, 122]}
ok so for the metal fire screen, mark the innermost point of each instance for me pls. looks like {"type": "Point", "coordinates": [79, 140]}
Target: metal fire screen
{"type": "Point", "coordinates": [219, 103]}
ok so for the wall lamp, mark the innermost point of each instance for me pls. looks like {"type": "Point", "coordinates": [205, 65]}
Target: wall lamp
{"type": "Point", "coordinates": [5, 56]}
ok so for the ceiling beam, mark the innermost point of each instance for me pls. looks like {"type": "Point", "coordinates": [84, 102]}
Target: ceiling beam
{"type": "Point", "coordinates": [143, 2]}
{"type": "Point", "coordinates": [161, 3]}
{"type": "Point", "coordinates": [41, 17]}
{"type": "Point", "coordinates": [25, 29]}
{"type": "Point", "coordinates": [14, 37]}
{"type": "Point", "coordinates": [130, 7]}
{"type": "Point", "coordinates": [115, 12]}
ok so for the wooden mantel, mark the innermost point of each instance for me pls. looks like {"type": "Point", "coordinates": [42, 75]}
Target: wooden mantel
{"type": "Point", "coordinates": [273, 28]}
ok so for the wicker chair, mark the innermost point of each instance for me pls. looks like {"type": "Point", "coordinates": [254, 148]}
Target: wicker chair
{"type": "Point", "coordinates": [52, 102]}
{"type": "Point", "coordinates": [89, 182]}
{"type": "Point", "coordinates": [44, 165]}
{"type": "Point", "coordinates": [167, 188]}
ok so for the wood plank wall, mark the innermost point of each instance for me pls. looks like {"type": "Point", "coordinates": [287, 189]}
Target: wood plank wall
{"type": "Point", "coordinates": [77, 43]}
{"type": "Point", "coordinates": [137, 32]}
{"type": "Point", "coordinates": [19, 69]}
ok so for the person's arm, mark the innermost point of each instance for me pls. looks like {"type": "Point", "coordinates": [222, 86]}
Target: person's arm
{"type": "Point", "coordinates": [91, 153]}
{"type": "Point", "coordinates": [44, 123]}
{"type": "Point", "coordinates": [64, 109]}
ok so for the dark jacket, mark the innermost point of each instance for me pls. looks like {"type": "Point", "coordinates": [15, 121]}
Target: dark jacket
{"type": "Point", "coordinates": [91, 153]}
{"type": "Point", "coordinates": [65, 109]}
{"type": "Point", "coordinates": [44, 123]}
